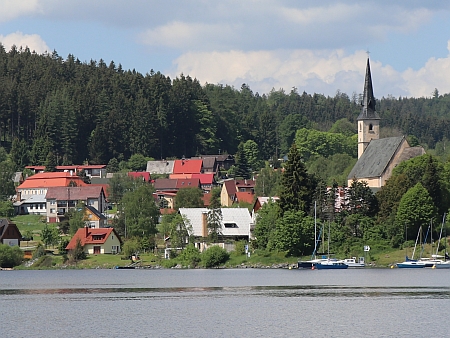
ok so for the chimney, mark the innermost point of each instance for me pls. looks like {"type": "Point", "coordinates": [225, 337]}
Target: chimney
{"type": "Point", "coordinates": [86, 232]}
{"type": "Point", "coordinates": [204, 224]}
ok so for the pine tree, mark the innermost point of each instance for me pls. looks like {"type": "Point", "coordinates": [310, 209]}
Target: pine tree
{"type": "Point", "coordinates": [297, 185]}
{"type": "Point", "coordinates": [242, 167]}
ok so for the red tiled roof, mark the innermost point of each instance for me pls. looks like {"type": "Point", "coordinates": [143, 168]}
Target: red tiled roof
{"type": "Point", "coordinates": [51, 179]}
{"type": "Point", "coordinates": [187, 166]}
{"type": "Point", "coordinates": [206, 179]}
{"type": "Point", "coordinates": [244, 197]}
{"type": "Point", "coordinates": [104, 186]}
{"type": "Point", "coordinates": [165, 184]}
{"type": "Point", "coordinates": [137, 174]}
{"type": "Point", "coordinates": [86, 235]}
{"type": "Point", "coordinates": [182, 176]}
{"type": "Point", "coordinates": [188, 183]}
{"type": "Point", "coordinates": [73, 193]}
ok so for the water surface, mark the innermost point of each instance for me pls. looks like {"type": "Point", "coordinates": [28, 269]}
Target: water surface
{"type": "Point", "coordinates": [225, 303]}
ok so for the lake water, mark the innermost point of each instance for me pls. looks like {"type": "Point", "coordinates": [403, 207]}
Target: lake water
{"type": "Point", "coordinates": [225, 303]}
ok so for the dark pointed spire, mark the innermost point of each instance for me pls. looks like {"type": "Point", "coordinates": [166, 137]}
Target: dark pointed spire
{"type": "Point", "coordinates": [368, 111]}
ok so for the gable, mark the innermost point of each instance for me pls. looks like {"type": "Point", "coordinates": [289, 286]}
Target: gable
{"type": "Point", "coordinates": [376, 157]}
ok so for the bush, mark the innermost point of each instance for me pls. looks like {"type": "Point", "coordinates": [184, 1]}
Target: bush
{"type": "Point", "coordinates": [10, 256]}
{"type": "Point", "coordinates": [214, 256]}
{"type": "Point", "coordinates": [189, 257]}
{"type": "Point", "coordinates": [239, 247]}
{"type": "Point", "coordinates": [39, 252]}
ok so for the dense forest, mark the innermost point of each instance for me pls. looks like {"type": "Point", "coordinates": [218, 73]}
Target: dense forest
{"type": "Point", "coordinates": [91, 111]}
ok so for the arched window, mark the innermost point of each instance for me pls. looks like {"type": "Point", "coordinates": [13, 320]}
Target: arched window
{"type": "Point", "coordinates": [370, 127]}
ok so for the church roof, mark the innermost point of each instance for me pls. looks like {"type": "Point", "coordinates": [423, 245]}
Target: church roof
{"type": "Point", "coordinates": [376, 157]}
{"type": "Point", "coordinates": [368, 111]}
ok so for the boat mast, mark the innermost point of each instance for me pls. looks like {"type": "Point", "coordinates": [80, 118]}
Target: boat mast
{"type": "Point", "coordinates": [440, 234]}
{"type": "Point", "coordinates": [315, 228]}
{"type": "Point", "coordinates": [415, 245]}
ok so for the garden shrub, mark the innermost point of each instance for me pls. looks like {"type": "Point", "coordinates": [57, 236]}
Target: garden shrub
{"type": "Point", "coordinates": [214, 256]}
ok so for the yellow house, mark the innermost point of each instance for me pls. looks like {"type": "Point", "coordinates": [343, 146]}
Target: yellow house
{"type": "Point", "coordinates": [96, 241]}
{"type": "Point", "coordinates": [94, 217]}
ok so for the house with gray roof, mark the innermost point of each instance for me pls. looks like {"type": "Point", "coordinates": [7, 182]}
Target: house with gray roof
{"type": "Point", "coordinates": [160, 167]}
{"type": "Point", "coordinates": [377, 157]}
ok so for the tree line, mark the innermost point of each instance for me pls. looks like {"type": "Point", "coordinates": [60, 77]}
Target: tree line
{"type": "Point", "coordinates": [91, 111]}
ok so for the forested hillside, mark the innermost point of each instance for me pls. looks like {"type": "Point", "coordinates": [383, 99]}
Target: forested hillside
{"type": "Point", "coordinates": [94, 111]}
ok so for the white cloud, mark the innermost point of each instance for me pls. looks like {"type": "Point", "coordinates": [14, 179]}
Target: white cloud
{"type": "Point", "coordinates": [11, 9]}
{"type": "Point", "coordinates": [312, 71]}
{"type": "Point", "coordinates": [434, 74]}
{"type": "Point", "coordinates": [33, 41]}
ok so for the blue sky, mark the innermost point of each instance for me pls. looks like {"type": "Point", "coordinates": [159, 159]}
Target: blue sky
{"type": "Point", "coordinates": [314, 46]}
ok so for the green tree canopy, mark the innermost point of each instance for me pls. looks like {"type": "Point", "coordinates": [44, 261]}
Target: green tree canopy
{"type": "Point", "coordinates": [189, 198]}
{"type": "Point", "coordinates": [265, 224]}
{"type": "Point", "coordinates": [313, 142]}
{"type": "Point", "coordinates": [416, 209]}
{"type": "Point", "coordinates": [140, 212]}
{"type": "Point", "coordinates": [294, 234]}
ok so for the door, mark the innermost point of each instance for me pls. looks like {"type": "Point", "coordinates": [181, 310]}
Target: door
{"type": "Point", "coordinates": [97, 250]}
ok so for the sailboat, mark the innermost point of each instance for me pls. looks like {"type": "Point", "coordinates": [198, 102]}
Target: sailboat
{"type": "Point", "coordinates": [329, 263]}
{"type": "Point", "coordinates": [310, 263]}
{"type": "Point", "coordinates": [438, 262]}
{"type": "Point", "coordinates": [411, 263]}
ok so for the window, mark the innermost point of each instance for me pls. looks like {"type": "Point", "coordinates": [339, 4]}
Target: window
{"type": "Point", "coordinates": [52, 211]}
{"type": "Point", "coordinates": [230, 225]}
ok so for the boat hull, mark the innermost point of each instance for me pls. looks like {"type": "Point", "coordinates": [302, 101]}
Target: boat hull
{"type": "Point", "coordinates": [410, 265]}
{"type": "Point", "coordinates": [332, 266]}
{"type": "Point", "coordinates": [443, 265]}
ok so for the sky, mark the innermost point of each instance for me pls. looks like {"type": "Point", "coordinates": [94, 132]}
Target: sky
{"type": "Point", "coordinates": [310, 45]}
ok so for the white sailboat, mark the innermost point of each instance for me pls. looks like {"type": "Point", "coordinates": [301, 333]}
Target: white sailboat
{"type": "Point", "coordinates": [411, 263]}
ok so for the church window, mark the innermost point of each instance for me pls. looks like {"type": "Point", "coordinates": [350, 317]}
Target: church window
{"type": "Point", "coordinates": [370, 127]}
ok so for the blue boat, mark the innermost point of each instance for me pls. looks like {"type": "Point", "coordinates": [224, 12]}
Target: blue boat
{"type": "Point", "coordinates": [330, 264]}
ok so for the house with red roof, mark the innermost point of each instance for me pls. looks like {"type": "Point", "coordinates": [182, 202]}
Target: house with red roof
{"type": "Point", "coordinates": [61, 199]}
{"type": "Point", "coordinates": [189, 166]}
{"type": "Point", "coordinates": [230, 188]}
{"type": "Point", "coordinates": [143, 175]}
{"type": "Point", "coordinates": [96, 241]}
{"type": "Point", "coordinates": [207, 181]}
{"type": "Point", "coordinates": [40, 182]}
{"type": "Point", "coordinates": [246, 197]}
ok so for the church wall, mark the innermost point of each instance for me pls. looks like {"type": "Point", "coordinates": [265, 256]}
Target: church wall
{"type": "Point", "coordinates": [396, 159]}
{"type": "Point", "coordinates": [373, 182]}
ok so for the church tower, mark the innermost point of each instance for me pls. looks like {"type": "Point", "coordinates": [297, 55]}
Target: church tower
{"type": "Point", "coordinates": [368, 120]}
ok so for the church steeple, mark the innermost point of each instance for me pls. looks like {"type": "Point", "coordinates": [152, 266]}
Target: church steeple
{"type": "Point", "coordinates": [368, 119]}
{"type": "Point", "coordinates": [368, 104]}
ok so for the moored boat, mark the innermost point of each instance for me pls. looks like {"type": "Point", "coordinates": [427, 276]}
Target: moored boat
{"type": "Point", "coordinates": [353, 263]}
{"type": "Point", "coordinates": [330, 264]}
{"type": "Point", "coordinates": [410, 264]}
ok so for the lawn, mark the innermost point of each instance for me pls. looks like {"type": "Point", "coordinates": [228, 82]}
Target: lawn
{"type": "Point", "coordinates": [33, 223]}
